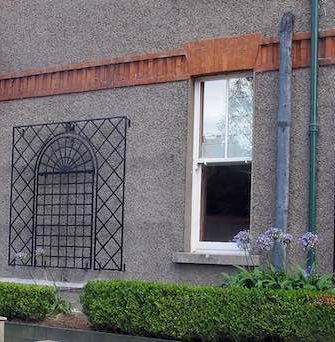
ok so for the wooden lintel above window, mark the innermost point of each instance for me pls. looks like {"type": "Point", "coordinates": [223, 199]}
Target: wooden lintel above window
{"type": "Point", "coordinates": [222, 55]}
{"type": "Point", "coordinates": [204, 57]}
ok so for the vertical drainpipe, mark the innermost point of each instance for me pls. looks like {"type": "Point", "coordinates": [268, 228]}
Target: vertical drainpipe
{"type": "Point", "coordinates": [313, 128]}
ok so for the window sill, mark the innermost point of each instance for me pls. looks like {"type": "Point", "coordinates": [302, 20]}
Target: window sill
{"type": "Point", "coordinates": [215, 259]}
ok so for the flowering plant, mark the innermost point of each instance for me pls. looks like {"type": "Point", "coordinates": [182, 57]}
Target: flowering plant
{"type": "Point", "coordinates": [61, 305]}
{"type": "Point", "coordinates": [268, 276]}
{"type": "Point", "coordinates": [22, 256]}
{"type": "Point", "coordinates": [287, 239]}
{"type": "Point", "coordinates": [265, 241]}
{"type": "Point", "coordinates": [309, 241]}
{"type": "Point", "coordinates": [243, 240]}
{"type": "Point", "coordinates": [39, 252]}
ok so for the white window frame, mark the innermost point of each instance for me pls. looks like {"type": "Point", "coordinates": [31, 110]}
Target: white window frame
{"type": "Point", "coordinates": [198, 162]}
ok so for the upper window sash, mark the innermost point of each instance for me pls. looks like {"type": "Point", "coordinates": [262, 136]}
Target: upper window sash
{"type": "Point", "coordinates": [224, 122]}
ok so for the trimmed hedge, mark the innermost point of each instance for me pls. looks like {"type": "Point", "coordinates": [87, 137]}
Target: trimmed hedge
{"type": "Point", "coordinates": [28, 302]}
{"type": "Point", "coordinates": [210, 313]}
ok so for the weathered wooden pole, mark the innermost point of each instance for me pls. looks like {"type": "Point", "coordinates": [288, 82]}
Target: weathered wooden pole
{"type": "Point", "coordinates": [313, 129]}
{"type": "Point", "coordinates": [2, 328]}
{"type": "Point", "coordinates": [283, 135]}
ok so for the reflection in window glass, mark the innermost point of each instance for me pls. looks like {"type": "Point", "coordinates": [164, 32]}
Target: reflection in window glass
{"type": "Point", "coordinates": [239, 118]}
{"type": "Point", "coordinates": [214, 119]}
{"type": "Point", "coordinates": [227, 111]}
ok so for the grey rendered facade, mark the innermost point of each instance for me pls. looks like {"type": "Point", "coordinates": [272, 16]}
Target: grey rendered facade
{"type": "Point", "coordinates": [43, 33]}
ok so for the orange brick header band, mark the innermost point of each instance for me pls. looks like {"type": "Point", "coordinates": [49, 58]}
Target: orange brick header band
{"type": "Point", "coordinates": [249, 52]}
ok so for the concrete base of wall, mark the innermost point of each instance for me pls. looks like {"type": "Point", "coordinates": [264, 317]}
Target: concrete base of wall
{"type": "Point", "coordinates": [22, 332]}
{"type": "Point", "coordinates": [61, 285]}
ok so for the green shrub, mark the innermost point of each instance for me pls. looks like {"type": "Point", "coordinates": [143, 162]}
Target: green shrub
{"type": "Point", "coordinates": [209, 313]}
{"type": "Point", "coordinates": [29, 302]}
{"type": "Point", "coordinates": [269, 278]}
{"type": "Point", "coordinates": [61, 306]}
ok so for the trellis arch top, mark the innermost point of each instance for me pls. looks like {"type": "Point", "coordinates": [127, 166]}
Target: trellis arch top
{"type": "Point", "coordinates": [66, 153]}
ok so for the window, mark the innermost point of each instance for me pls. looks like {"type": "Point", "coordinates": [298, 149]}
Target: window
{"type": "Point", "coordinates": [221, 162]}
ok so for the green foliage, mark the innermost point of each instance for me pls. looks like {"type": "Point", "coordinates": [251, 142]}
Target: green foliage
{"type": "Point", "coordinates": [30, 302]}
{"type": "Point", "coordinates": [61, 306]}
{"type": "Point", "coordinates": [208, 313]}
{"type": "Point", "coordinates": [269, 278]}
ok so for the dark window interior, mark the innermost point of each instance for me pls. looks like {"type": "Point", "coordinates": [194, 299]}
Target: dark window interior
{"type": "Point", "coordinates": [226, 201]}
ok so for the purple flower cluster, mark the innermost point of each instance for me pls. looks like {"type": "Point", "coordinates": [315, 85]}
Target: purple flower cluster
{"type": "Point", "coordinates": [20, 256]}
{"type": "Point", "coordinates": [273, 233]}
{"type": "Point", "coordinates": [309, 241]}
{"type": "Point", "coordinates": [287, 238]}
{"type": "Point", "coordinates": [265, 241]}
{"type": "Point", "coordinates": [39, 251]}
{"type": "Point", "coordinates": [309, 271]}
{"type": "Point", "coordinates": [243, 239]}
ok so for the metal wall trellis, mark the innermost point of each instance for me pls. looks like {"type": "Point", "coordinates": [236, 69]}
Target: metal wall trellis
{"type": "Point", "coordinates": [67, 194]}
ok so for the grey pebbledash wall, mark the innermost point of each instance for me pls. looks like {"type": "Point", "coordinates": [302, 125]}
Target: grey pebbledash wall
{"type": "Point", "coordinates": [264, 160]}
{"type": "Point", "coordinates": [42, 33]}
{"type": "Point", "coordinates": [155, 176]}
{"type": "Point", "coordinates": [156, 170]}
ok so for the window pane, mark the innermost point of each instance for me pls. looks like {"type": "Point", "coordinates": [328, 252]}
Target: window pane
{"type": "Point", "coordinates": [240, 110]}
{"type": "Point", "coordinates": [225, 201]}
{"type": "Point", "coordinates": [214, 119]}
{"type": "Point", "coordinates": [227, 118]}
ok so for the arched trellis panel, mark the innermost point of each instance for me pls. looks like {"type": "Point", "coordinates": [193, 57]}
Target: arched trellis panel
{"type": "Point", "coordinates": [64, 206]}
{"type": "Point", "coordinates": [67, 194]}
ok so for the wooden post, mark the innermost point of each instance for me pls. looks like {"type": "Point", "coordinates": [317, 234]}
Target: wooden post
{"type": "Point", "coordinates": [283, 135]}
{"type": "Point", "coordinates": [2, 328]}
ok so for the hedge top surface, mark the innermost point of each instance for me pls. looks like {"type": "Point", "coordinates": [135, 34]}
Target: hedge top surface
{"type": "Point", "coordinates": [210, 313]}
